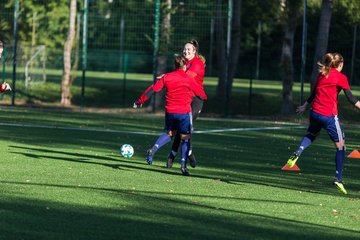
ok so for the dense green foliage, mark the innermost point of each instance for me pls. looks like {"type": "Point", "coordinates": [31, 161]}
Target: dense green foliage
{"type": "Point", "coordinates": [190, 19]}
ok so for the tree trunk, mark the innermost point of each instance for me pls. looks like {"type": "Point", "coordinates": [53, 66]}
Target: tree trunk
{"type": "Point", "coordinates": [235, 43]}
{"type": "Point", "coordinates": [76, 43]}
{"type": "Point", "coordinates": [286, 62]}
{"type": "Point", "coordinates": [322, 36]}
{"type": "Point", "coordinates": [66, 80]}
{"type": "Point", "coordinates": [224, 87]}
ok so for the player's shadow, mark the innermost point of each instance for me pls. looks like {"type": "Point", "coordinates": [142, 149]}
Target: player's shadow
{"type": "Point", "coordinates": [74, 154]}
{"type": "Point", "coordinates": [87, 159]}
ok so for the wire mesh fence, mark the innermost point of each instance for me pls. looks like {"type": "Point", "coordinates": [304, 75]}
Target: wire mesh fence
{"type": "Point", "coordinates": [121, 36]}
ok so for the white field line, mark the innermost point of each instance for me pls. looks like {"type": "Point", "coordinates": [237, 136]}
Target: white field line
{"type": "Point", "coordinates": [247, 129]}
{"type": "Point", "coordinates": [147, 133]}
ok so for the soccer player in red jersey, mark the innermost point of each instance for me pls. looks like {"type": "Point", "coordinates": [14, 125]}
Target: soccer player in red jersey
{"type": "Point", "coordinates": [180, 89]}
{"type": "Point", "coordinates": [4, 86]}
{"type": "Point", "coordinates": [324, 111]}
{"type": "Point", "coordinates": [195, 68]}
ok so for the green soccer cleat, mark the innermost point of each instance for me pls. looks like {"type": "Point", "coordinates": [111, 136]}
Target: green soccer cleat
{"type": "Point", "coordinates": [340, 186]}
{"type": "Point", "coordinates": [292, 160]}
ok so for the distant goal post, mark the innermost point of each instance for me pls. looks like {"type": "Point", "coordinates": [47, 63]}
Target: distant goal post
{"type": "Point", "coordinates": [30, 62]}
{"type": "Point", "coordinates": [35, 66]}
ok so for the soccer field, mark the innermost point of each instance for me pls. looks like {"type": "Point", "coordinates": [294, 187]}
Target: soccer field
{"type": "Point", "coordinates": [62, 177]}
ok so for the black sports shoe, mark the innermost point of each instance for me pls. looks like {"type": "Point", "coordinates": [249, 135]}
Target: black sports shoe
{"type": "Point", "coordinates": [149, 155]}
{"type": "Point", "coordinates": [184, 170]}
{"type": "Point", "coordinates": [192, 160]}
{"type": "Point", "coordinates": [170, 160]}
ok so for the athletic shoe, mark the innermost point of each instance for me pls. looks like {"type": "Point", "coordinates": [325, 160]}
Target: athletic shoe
{"type": "Point", "coordinates": [184, 170]}
{"type": "Point", "coordinates": [149, 155]}
{"type": "Point", "coordinates": [340, 186]}
{"type": "Point", "coordinates": [192, 160]}
{"type": "Point", "coordinates": [170, 160]}
{"type": "Point", "coordinates": [292, 160]}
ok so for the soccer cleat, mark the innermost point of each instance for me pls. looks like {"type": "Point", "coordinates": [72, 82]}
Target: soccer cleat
{"type": "Point", "coordinates": [192, 160]}
{"type": "Point", "coordinates": [170, 160]}
{"type": "Point", "coordinates": [292, 160]}
{"type": "Point", "coordinates": [340, 186]}
{"type": "Point", "coordinates": [184, 170]}
{"type": "Point", "coordinates": [149, 155]}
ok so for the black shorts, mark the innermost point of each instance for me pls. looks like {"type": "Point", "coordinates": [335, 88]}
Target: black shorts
{"type": "Point", "coordinates": [196, 106]}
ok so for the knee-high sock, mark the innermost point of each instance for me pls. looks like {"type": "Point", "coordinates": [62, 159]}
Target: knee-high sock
{"type": "Point", "coordinates": [176, 143]}
{"type": "Point", "coordinates": [339, 162]}
{"type": "Point", "coordinates": [305, 142]}
{"type": "Point", "coordinates": [161, 141]}
{"type": "Point", "coordinates": [185, 143]}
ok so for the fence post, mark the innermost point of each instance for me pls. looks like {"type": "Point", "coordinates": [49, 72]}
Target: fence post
{"type": "Point", "coordinates": [353, 55]}
{"type": "Point", "coordinates": [303, 55]}
{"type": "Point", "coordinates": [258, 51]}
{"type": "Point", "coordinates": [16, 14]}
{"type": "Point", "coordinates": [84, 51]}
{"type": "Point", "coordinates": [124, 80]}
{"type": "Point", "coordinates": [212, 29]}
{"type": "Point", "coordinates": [156, 45]}
{"type": "Point", "coordinates": [3, 68]}
{"type": "Point", "coordinates": [228, 46]}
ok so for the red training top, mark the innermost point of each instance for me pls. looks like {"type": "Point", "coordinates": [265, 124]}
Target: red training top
{"type": "Point", "coordinates": [2, 88]}
{"type": "Point", "coordinates": [195, 69]}
{"type": "Point", "coordinates": [179, 91]}
{"type": "Point", "coordinates": [327, 91]}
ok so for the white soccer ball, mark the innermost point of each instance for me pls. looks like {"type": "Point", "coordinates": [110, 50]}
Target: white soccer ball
{"type": "Point", "coordinates": [127, 150]}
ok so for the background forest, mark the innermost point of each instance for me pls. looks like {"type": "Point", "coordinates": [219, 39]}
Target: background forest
{"type": "Point", "coordinates": [267, 38]}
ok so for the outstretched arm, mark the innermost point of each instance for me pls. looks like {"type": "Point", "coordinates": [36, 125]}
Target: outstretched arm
{"type": "Point", "coordinates": [156, 87]}
{"type": "Point", "coordinates": [302, 108]}
{"type": "Point", "coordinates": [352, 99]}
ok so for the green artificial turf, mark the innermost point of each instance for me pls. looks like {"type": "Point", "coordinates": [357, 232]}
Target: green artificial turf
{"type": "Point", "coordinates": [62, 177]}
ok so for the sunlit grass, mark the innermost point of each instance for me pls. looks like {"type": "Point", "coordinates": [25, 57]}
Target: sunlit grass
{"type": "Point", "coordinates": [62, 177]}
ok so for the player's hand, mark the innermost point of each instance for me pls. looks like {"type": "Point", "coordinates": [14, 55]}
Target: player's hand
{"type": "Point", "coordinates": [158, 77]}
{"type": "Point", "coordinates": [5, 86]}
{"type": "Point", "coordinates": [137, 104]}
{"type": "Point", "coordinates": [301, 109]}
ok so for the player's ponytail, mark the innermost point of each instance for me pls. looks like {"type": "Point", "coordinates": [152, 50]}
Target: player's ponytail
{"type": "Point", "coordinates": [1, 44]}
{"type": "Point", "coordinates": [202, 58]}
{"type": "Point", "coordinates": [325, 66]}
{"type": "Point", "coordinates": [337, 59]}
{"type": "Point", "coordinates": [330, 60]}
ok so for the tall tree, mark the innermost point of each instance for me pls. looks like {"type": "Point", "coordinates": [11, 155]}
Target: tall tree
{"type": "Point", "coordinates": [291, 14]}
{"type": "Point", "coordinates": [322, 36]}
{"type": "Point", "coordinates": [226, 74]}
{"type": "Point", "coordinates": [66, 78]}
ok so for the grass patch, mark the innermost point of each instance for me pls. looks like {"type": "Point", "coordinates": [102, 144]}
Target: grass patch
{"type": "Point", "coordinates": [69, 181]}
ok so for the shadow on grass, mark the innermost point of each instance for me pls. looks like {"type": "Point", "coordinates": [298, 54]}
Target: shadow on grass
{"type": "Point", "coordinates": [278, 178]}
{"type": "Point", "coordinates": [152, 215]}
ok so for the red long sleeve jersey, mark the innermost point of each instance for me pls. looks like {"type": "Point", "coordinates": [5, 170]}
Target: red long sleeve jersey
{"type": "Point", "coordinates": [195, 68]}
{"type": "Point", "coordinates": [179, 91]}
